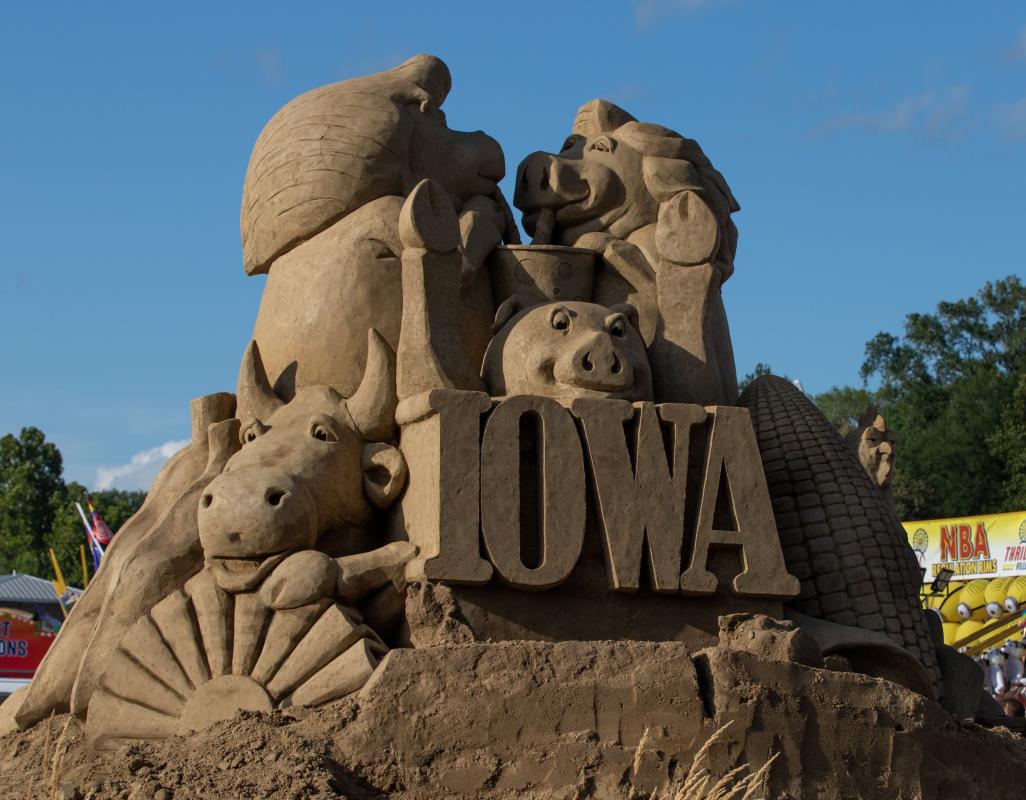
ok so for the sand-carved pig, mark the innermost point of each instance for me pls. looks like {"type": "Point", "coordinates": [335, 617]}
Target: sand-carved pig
{"type": "Point", "coordinates": [567, 350]}
{"type": "Point", "coordinates": [649, 201]}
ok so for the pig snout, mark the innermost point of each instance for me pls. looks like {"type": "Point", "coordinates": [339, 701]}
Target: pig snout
{"type": "Point", "coordinates": [255, 512]}
{"type": "Point", "coordinates": [597, 364]}
{"type": "Point", "coordinates": [547, 181]}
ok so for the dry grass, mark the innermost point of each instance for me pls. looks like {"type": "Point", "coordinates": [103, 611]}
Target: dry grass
{"type": "Point", "coordinates": [738, 784]}
{"type": "Point", "coordinates": [47, 784]}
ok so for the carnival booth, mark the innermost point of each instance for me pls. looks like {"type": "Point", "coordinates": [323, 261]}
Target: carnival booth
{"type": "Point", "coordinates": [974, 579]}
{"type": "Point", "coordinates": [30, 617]}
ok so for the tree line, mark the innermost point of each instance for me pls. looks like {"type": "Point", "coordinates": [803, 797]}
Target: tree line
{"type": "Point", "coordinates": [952, 385]}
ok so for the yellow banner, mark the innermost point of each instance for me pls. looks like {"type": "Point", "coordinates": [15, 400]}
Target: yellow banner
{"type": "Point", "coordinates": [988, 546]}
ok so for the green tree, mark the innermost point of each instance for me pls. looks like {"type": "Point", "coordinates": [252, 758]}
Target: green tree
{"type": "Point", "coordinates": [37, 509]}
{"type": "Point", "coordinates": [30, 482]}
{"type": "Point", "coordinates": [844, 406]}
{"type": "Point", "coordinates": [68, 533]}
{"type": "Point", "coordinates": [949, 386]}
{"type": "Point", "coordinates": [760, 370]}
{"type": "Point", "coordinates": [1008, 442]}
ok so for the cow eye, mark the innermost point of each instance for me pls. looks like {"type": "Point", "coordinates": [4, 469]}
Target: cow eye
{"type": "Point", "coordinates": [603, 144]}
{"type": "Point", "coordinates": [322, 431]}
{"type": "Point", "coordinates": [560, 319]}
{"type": "Point", "coordinates": [569, 144]}
{"type": "Point", "coordinates": [250, 432]}
{"type": "Point", "coordinates": [618, 327]}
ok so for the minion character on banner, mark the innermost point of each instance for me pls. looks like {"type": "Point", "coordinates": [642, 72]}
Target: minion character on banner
{"type": "Point", "coordinates": [994, 597]}
{"type": "Point", "coordinates": [947, 609]}
{"type": "Point", "coordinates": [971, 602]}
{"type": "Point", "coordinates": [1015, 598]}
{"type": "Point", "coordinates": [971, 608]}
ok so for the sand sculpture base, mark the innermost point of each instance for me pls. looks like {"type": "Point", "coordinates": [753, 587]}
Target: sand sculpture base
{"type": "Point", "coordinates": [559, 720]}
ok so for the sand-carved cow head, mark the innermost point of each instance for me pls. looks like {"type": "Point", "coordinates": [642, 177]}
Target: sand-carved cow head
{"type": "Point", "coordinates": [314, 465]}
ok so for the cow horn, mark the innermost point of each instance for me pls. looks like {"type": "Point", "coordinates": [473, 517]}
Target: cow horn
{"type": "Point", "coordinates": [256, 398]}
{"type": "Point", "coordinates": [372, 407]}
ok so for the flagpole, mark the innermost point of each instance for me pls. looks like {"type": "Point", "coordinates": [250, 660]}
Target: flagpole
{"type": "Point", "coordinates": [85, 521]}
{"type": "Point", "coordinates": [59, 585]}
{"type": "Point", "coordinates": [85, 572]}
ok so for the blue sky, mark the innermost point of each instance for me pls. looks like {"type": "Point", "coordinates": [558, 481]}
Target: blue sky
{"type": "Point", "coordinates": [878, 151]}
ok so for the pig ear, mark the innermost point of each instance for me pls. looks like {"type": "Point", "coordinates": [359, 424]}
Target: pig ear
{"type": "Point", "coordinates": [665, 177]}
{"type": "Point", "coordinates": [686, 231]}
{"type": "Point", "coordinates": [628, 311]}
{"type": "Point", "coordinates": [384, 473]}
{"type": "Point", "coordinates": [256, 397]}
{"type": "Point", "coordinates": [509, 309]}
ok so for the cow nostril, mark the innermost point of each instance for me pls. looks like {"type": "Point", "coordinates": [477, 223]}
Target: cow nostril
{"type": "Point", "coordinates": [234, 536]}
{"type": "Point", "coordinates": [275, 496]}
{"type": "Point", "coordinates": [586, 362]}
{"type": "Point", "coordinates": [617, 366]}
{"type": "Point", "coordinates": [206, 500]}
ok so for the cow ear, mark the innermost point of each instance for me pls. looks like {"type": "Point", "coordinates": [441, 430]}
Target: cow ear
{"type": "Point", "coordinates": [510, 307]}
{"type": "Point", "coordinates": [384, 473]}
{"type": "Point", "coordinates": [686, 230]}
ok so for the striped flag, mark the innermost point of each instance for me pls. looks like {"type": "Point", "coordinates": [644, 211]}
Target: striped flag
{"type": "Point", "coordinates": [101, 533]}
{"type": "Point", "coordinates": [95, 549]}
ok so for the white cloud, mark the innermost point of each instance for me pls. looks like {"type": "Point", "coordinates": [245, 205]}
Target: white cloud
{"type": "Point", "coordinates": [271, 65]}
{"type": "Point", "coordinates": [1018, 51]}
{"type": "Point", "coordinates": [141, 469]}
{"type": "Point", "coordinates": [1010, 120]}
{"type": "Point", "coordinates": [934, 115]}
{"type": "Point", "coordinates": [648, 11]}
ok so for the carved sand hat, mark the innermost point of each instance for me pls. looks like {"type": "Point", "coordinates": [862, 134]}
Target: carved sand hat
{"type": "Point", "coordinates": [328, 152]}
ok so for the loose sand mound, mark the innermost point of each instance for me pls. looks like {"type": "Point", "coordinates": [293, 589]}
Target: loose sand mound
{"type": "Point", "coordinates": [616, 720]}
{"type": "Point", "coordinates": [252, 756]}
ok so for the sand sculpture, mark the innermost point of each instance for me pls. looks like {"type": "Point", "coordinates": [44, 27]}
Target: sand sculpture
{"type": "Point", "coordinates": [444, 439]}
{"type": "Point", "coordinates": [875, 444]}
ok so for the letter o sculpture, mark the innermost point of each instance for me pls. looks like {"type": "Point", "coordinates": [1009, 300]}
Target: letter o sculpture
{"type": "Point", "coordinates": [563, 492]}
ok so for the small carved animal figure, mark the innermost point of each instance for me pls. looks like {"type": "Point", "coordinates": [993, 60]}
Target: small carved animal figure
{"type": "Point", "coordinates": [875, 443]}
{"type": "Point", "coordinates": [566, 350]}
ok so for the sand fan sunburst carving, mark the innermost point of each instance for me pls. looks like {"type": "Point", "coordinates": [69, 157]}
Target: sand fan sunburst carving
{"type": "Point", "coordinates": [202, 654]}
